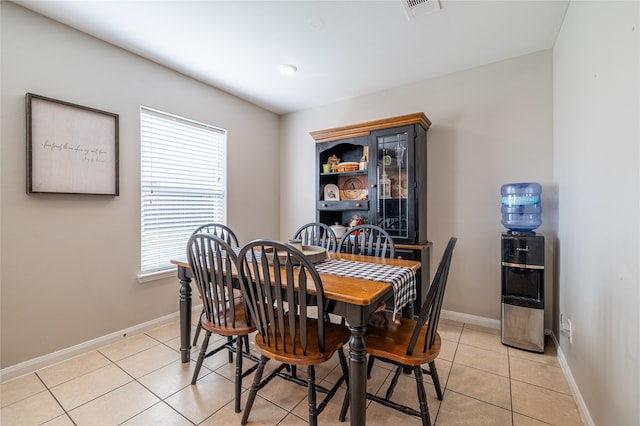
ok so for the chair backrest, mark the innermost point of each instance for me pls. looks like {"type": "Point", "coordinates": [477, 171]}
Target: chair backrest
{"type": "Point", "coordinates": [212, 262]}
{"type": "Point", "coordinates": [317, 234]}
{"type": "Point", "coordinates": [430, 310]}
{"type": "Point", "coordinates": [368, 240]}
{"type": "Point", "coordinates": [275, 279]}
{"type": "Point", "coordinates": [220, 231]}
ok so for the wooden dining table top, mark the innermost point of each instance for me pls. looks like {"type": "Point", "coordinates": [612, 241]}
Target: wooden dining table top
{"type": "Point", "coordinates": [351, 290]}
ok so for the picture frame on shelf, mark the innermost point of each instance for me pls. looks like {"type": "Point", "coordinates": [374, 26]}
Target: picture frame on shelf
{"type": "Point", "coordinates": [353, 187]}
{"type": "Point", "coordinates": [331, 192]}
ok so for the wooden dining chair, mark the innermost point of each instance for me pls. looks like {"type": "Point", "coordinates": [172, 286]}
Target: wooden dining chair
{"type": "Point", "coordinates": [226, 234]}
{"type": "Point", "coordinates": [409, 344]}
{"type": "Point", "coordinates": [220, 231]}
{"type": "Point", "coordinates": [367, 240]}
{"type": "Point", "coordinates": [212, 261]}
{"type": "Point", "coordinates": [317, 234]}
{"type": "Point", "coordinates": [286, 301]}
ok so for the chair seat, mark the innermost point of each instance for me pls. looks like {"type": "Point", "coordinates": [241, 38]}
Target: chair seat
{"type": "Point", "coordinates": [389, 339]}
{"type": "Point", "coordinates": [240, 328]}
{"type": "Point", "coordinates": [336, 336]}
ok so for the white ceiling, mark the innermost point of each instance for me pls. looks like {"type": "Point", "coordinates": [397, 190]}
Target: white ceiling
{"type": "Point", "coordinates": [342, 48]}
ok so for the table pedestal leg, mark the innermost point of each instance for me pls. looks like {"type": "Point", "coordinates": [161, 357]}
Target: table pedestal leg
{"type": "Point", "coordinates": [357, 375]}
{"type": "Point", "coordinates": [185, 316]}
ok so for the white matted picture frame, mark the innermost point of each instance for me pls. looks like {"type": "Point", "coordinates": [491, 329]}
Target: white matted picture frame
{"type": "Point", "coordinates": [331, 192]}
{"type": "Point", "coordinates": [71, 149]}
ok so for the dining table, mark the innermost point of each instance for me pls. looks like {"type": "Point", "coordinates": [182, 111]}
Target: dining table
{"type": "Point", "coordinates": [354, 289]}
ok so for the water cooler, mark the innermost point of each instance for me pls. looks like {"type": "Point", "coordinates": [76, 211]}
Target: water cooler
{"type": "Point", "coordinates": [523, 290]}
{"type": "Point", "coordinates": [522, 267]}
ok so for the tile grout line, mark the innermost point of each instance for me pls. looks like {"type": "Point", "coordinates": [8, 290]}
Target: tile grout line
{"type": "Point", "coordinates": [435, 419]}
{"type": "Point", "coordinates": [513, 420]}
{"type": "Point", "coordinates": [66, 413]}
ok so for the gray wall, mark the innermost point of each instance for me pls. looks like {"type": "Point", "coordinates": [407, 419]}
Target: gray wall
{"type": "Point", "coordinates": [491, 125]}
{"type": "Point", "coordinates": [69, 264]}
{"type": "Point", "coordinates": [597, 181]}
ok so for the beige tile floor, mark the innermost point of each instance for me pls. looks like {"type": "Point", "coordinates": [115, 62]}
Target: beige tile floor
{"type": "Point", "coordinates": [141, 381]}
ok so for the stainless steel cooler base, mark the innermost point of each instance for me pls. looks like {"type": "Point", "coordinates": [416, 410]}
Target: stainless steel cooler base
{"type": "Point", "coordinates": [523, 328]}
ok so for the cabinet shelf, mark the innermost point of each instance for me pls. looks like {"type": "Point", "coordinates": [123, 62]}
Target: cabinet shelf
{"type": "Point", "coordinates": [356, 173]}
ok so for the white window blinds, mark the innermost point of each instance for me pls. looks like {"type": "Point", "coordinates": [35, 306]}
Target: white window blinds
{"type": "Point", "coordinates": [183, 184]}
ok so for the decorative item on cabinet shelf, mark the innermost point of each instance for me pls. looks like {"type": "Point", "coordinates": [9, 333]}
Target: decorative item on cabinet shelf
{"type": "Point", "coordinates": [338, 229]}
{"type": "Point", "coordinates": [386, 159]}
{"type": "Point", "coordinates": [331, 192]}
{"type": "Point", "coordinates": [363, 164]}
{"type": "Point", "coordinates": [333, 161]}
{"type": "Point", "coordinates": [393, 185]}
{"type": "Point", "coordinates": [348, 167]}
{"type": "Point", "coordinates": [363, 160]}
{"type": "Point", "coordinates": [385, 186]}
{"type": "Point", "coordinates": [400, 149]}
{"type": "Point", "coordinates": [357, 220]}
{"type": "Point", "coordinates": [353, 187]}
{"type": "Point", "coordinates": [326, 168]}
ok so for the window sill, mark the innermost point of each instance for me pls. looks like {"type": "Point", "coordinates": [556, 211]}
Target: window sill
{"type": "Point", "coordinates": [158, 275]}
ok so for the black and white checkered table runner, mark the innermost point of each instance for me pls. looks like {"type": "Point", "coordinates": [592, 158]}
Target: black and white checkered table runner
{"type": "Point", "coordinates": [403, 280]}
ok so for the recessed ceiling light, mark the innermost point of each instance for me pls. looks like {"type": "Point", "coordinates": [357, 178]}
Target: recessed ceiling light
{"type": "Point", "coordinates": [288, 69]}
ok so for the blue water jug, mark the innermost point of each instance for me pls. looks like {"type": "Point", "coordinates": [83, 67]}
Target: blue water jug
{"type": "Point", "coordinates": [521, 209]}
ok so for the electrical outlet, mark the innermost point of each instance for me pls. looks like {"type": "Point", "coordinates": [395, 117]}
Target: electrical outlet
{"type": "Point", "coordinates": [570, 327]}
{"type": "Point", "coordinates": [566, 327]}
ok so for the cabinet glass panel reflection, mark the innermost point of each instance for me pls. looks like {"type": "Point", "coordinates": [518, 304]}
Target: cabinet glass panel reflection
{"type": "Point", "coordinates": [392, 183]}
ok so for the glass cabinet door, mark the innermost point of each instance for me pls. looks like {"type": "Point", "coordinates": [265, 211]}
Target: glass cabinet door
{"type": "Point", "coordinates": [392, 179]}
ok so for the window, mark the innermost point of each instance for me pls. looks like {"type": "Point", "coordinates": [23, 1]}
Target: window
{"type": "Point", "coordinates": [183, 185]}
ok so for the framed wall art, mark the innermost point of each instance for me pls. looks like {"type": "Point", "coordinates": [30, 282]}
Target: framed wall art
{"type": "Point", "coordinates": [71, 149]}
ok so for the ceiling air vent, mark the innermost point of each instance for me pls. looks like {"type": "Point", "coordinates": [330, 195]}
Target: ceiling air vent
{"type": "Point", "coordinates": [419, 8]}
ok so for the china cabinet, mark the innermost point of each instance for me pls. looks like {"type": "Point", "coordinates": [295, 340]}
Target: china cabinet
{"type": "Point", "coordinates": [376, 172]}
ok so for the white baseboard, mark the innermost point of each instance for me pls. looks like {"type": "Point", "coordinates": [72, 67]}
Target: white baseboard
{"type": "Point", "coordinates": [582, 406]}
{"type": "Point", "coordinates": [38, 363]}
{"type": "Point", "coordinates": [470, 319]}
{"type": "Point", "coordinates": [476, 320]}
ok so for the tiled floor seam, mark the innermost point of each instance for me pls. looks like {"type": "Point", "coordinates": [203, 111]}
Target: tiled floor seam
{"type": "Point", "coordinates": [443, 383]}
{"type": "Point", "coordinates": [513, 420]}
{"type": "Point", "coordinates": [545, 388]}
{"type": "Point", "coordinates": [477, 399]}
{"type": "Point", "coordinates": [66, 413]}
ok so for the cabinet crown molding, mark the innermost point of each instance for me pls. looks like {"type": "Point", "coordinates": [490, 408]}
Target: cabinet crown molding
{"type": "Point", "coordinates": [364, 129]}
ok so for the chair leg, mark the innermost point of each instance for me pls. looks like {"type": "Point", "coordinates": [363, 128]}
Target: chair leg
{"type": "Point", "coordinates": [422, 396]}
{"type": "Point", "coordinates": [394, 382]}
{"type": "Point", "coordinates": [345, 405]}
{"type": "Point", "coordinates": [345, 401]}
{"type": "Point", "coordinates": [311, 387]}
{"type": "Point", "coordinates": [247, 348]}
{"type": "Point", "coordinates": [254, 389]}
{"type": "Point", "coordinates": [436, 380]}
{"type": "Point", "coordinates": [238, 374]}
{"type": "Point", "coordinates": [230, 352]}
{"type": "Point", "coordinates": [203, 351]}
{"type": "Point", "coordinates": [370, 365]}
{"type": "Point", "coordinates": [195, 337]}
